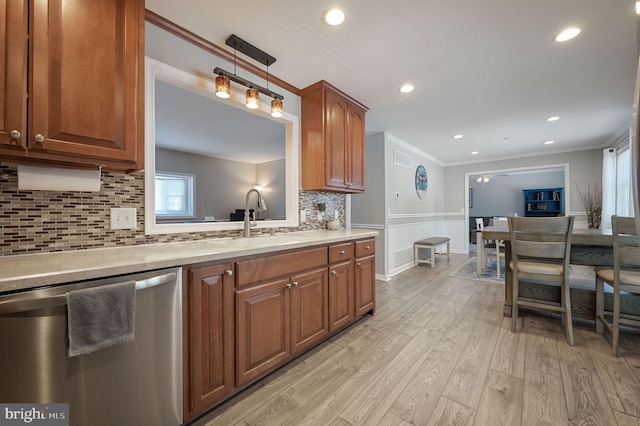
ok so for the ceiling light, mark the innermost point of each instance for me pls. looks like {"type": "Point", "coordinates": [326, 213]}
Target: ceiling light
{"type": "Point", "coordinates": [474, 152]}
{"type": "Point", "coordinates": [223, 85]}
{"type": "Point", "coordinates": [549, 142]}
{"type": "Point", "coordinates": [333, 17]}
{"type": "Point", "coordinates": [406, 88]}
{"type": "Point", "coordinates": [457, 136]}
{"type": "Point", "coordinates": [638, 7]}
{"type": "Point", "coordinates": [253, 98]}
{"type": "Point", "coordinates": [483, 178]}
{"type": "Point", "coordinates": [567, 34]}
{"type": "Point", "coordinates": [553, 118]}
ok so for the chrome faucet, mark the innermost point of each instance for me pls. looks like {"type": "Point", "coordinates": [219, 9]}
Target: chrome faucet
{"type": "Point", "coordinates": [262, 206]}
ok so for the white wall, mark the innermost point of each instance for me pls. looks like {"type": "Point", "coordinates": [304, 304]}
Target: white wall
{"type": "Point", "coordinates": [392, 205]}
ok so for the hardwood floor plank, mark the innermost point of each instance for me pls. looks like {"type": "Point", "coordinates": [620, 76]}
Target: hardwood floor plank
{"type": "Point", "coordinates": [586, 400]}
{"type": "Point", "coordinates": [372, 403]}
{"type": "Point", "coordinates": [543, 401]}
{"type": "Point", "coordinates": [619, 384]}
{"type": "Point", "coordinates": [501, 402]}
{"type": "Point", "coordinates": [623, 419]}
{"type": "Point", "coordinates": [509, 354]}
{"type": "Point", "coordinates": [542, 354]}
{"type": "Point", "coordinates": [467, 380]}
{"type": "Point", "coordinates": [451, 413]}
{"type": "Point", "coordinates": [418, 399]}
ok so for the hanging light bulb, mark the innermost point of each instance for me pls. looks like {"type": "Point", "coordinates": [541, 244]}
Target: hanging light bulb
{"type": "Point", "coordinates": [276, 108]}
{"type": "Point", "coordinates": [479, 179]}
{"type": "Point", "coordinates": [253, 98]}
{"type": "Point", "coordinates": [223, 87]}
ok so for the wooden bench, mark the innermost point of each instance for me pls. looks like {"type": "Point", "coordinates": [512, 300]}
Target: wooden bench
{"type": "Point", "coordinates": [429, 243]}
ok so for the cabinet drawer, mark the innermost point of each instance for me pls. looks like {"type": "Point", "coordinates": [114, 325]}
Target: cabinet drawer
{"type": "Point", "coordinates": [340, 252]}
{"type": "Point", "coordinates": [365, 247]}
{"type": "Point", "coordinates": [268, 267]}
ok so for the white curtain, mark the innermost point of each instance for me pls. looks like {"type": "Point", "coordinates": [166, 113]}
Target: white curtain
{"type": "Point", "coordinates": [608, 186]}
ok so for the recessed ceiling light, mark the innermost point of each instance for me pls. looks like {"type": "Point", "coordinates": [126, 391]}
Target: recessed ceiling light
{"type": "Point", "coordinates": [406, 88]}
{"type": "Point", "coordinates": [553, 118]}
{"type": "Point", "coordinates": [548, 142]}
{"type": "Point", "coordinates": [567, 34]}
{"type": "Point", "coordinates": [333, 17]}
{"type": "Point", "coordinates": [458, 137]}
{"type": "Point", "coordinates": [474, 152]}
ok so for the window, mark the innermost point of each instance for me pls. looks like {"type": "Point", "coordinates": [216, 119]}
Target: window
{"type": "Point", "coordinates": [624, 199]}
{"type": "Point", "coordinates": [174, 194]}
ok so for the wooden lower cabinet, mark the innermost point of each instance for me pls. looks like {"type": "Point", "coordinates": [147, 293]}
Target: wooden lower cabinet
{"type": "Point", "coordinates": [365, 282]}
{"type": "Point", "coordinates": [210, 363]}
{"type": "Point", "coordinates": [263, 328]}
{"type": "Point", "coordinates": [245, 317]}
{"type": "Point", "coordinates": [341, 295]}
{"type": "Point", "coordinates": [278, 319]}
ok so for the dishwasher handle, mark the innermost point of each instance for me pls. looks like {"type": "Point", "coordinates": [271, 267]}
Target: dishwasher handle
{"type": "Point", "coordinates": [30, 301]}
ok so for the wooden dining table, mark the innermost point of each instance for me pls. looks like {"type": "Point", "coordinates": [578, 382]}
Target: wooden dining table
{"type": "Point", "coordinates": [591, 247]}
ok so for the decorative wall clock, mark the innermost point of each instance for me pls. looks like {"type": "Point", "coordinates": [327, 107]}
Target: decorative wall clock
{"type": "Point", "coordinates": [421, 181]}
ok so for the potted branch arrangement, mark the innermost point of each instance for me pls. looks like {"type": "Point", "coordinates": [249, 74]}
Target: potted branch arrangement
{"type": "Point", "coordinates": [592, 202]}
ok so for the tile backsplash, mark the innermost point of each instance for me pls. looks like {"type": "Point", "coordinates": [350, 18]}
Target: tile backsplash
{"type": "Point", "coordinates": [47, 221]}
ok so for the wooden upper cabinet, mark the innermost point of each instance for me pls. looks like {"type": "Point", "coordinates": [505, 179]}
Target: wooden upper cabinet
{"type": "Point", "coordinates": [86, 80]}
{"type": "Point", "coordinates": [333, 142]}
{"type": "Point", "coordinates": [13, 62]}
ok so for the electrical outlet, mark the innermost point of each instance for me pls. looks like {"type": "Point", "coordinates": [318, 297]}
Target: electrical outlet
{"type": "Point", "coordinates": [123, 218]}
{"type": "Point", "coordinates": [335, 215]}
{"type": "Point", "coordinates": [303, 216]}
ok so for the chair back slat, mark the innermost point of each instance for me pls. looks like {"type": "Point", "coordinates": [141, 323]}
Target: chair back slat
{"type": "Point", "coordinates": [629, 257]}
{"type": "Point", "coordinates": [542, 250]}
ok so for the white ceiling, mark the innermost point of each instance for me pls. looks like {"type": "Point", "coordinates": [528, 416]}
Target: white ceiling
{"type": "Point", "coordinates": [486, 69]}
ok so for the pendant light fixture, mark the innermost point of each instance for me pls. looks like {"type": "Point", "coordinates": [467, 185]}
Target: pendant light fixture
{"type": "Point", "coordinates": [253, 98]}
{"type": "Point", "coordinates": [223, 85]}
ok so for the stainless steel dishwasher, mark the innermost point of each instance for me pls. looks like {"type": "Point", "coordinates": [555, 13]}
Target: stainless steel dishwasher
{"type": "Point", "coordinates": [133, 383]}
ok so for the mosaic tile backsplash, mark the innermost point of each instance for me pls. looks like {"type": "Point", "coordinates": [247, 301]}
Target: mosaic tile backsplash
{"type": "Point", "coordinates": [47, 221]}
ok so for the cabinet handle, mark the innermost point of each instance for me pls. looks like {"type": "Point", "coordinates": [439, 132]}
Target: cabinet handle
{"type": "Point", "coordinates": [295, 283]}
{"type": "Point", "coordinates": [14, 134]}
{"type": "Point", "coordinates": [359, 264]}
{"type": "Point", "coordinates": [342, 252]}
{"type": "Point", "coordinates": [39, 138]}
{"type": "Point", "coordinates": [349, 183]}
{"type": "Point", "coordinates": [333, 272]}
{"type": "Point", "coordinates": [288, 285]}
{"type": "Point", "coordinates": [367, 247]}
{"type": "Point", "coordinates": [228, 273]}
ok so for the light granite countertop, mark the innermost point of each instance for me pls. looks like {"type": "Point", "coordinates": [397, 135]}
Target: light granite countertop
{"type": "Point", "coordinates": [35, 270]}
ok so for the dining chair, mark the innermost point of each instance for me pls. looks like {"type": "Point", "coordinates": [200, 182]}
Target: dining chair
{"type": "Point", "coordinates": [624, 276]}
{"type": "Point", "coordinates": [499, 244]}
{"type": "Point", "coordinates": [484, 246]}
{"type": "Point", "coordinates": [540, 248]}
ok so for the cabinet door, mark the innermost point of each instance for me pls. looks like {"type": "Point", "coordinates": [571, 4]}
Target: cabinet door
{"type": "Point", "coordinates": [365, 284]}
{"type": "Point", "coordinates": [309, 309]}
{"type": "Point", "coordinates": [211, 333]}
{"type": "Point", "coordinates": [335, 140]}
{"type": "Point", "coordinates": [356, 147]}
{"type": "Point", "coordinates": [86, 82]}
{"type": "Point", "coordinates": [263, 334]}
{"type": "Point", "coordinates": [341, 295]}
{"type": "Point", "coordinates": [13, 86]}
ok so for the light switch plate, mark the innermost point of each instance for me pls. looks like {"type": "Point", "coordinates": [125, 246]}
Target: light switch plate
{"type": "Point", "coordinates": [123, 218]}
{"type": "Point", "coordinates": [303, 216]}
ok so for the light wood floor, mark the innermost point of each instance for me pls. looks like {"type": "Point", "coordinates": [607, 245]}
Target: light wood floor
{"type": "Point", "coordinates": [439, 352]}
